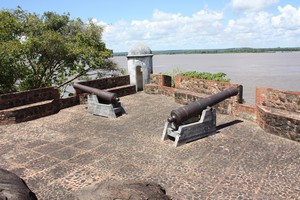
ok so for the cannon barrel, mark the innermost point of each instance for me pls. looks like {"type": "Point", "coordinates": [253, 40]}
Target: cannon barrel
{"type": "Point", "coordinates": [193, 109]}
{"type": "Point", "coordinates": [107, 97]}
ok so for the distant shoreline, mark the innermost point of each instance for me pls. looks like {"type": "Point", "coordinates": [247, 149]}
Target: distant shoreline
{"type": "Point", "coordinates": [218, 51]}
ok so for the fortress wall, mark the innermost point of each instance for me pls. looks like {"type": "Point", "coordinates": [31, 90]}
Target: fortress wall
{"type": "Point", "coordinates": [276, 111]}
{"type": "Point", "coordinates": [189, 89]}
{"type": "Point", "coordinates": [33, 104]}
{"type": "Point", "coordinates": [16, 99]}
{"type": "Point", "coordinates": [106, 83]}
{"type": "Point", "coordinates": [28, 105]}
{"type": "Point", "coordinates": [278, 99]}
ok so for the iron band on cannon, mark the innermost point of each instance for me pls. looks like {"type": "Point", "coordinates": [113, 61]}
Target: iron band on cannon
{"type": "Point", "coordinates": [178, 126]}
{"type": "Point", "coordinates": [100, 102]}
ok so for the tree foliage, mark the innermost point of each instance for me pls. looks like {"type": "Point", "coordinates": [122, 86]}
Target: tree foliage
{"type": "Point", "coordinates": [50, 49]}
{"type": "Point", "coordinates": [10, 51]}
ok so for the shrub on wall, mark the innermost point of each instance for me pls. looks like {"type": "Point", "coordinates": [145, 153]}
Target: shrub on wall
{"type": "Point", "coordinates": [220, 76]}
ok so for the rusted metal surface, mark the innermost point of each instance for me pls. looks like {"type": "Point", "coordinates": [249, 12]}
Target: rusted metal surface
{"type": "Point", "coordinates": [104, 96]}
{"type": "Point", "coordinates": [195, 108]}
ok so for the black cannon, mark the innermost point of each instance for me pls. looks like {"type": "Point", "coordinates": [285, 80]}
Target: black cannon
{"type": "Point", "coordinates": [181, 130]}
{"type": "Point", "coordinates": [101, 102]}
{"type": "Point", "coordinates": [103, 96]}
{"type": "Point", "coordinates": [195, 108]}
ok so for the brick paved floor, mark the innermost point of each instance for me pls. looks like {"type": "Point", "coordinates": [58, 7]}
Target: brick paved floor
{"type": "Point", "coordinates": [63, 153]}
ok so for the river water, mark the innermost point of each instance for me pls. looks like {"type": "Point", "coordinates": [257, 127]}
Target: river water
{"type": "Point", "coordinates": [274, 70]}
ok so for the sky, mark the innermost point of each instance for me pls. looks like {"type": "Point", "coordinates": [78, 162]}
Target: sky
{"type": "Point", "coordinates": [182, 24]}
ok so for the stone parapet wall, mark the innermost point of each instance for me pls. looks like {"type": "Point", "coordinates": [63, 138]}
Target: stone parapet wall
{"type": "Point", "coordinates": [161, 80]}
{"type": "Point", "coordinates": [279, 122]}
{"type": "Point", "coordinates": [185, 97]}
{"type": "Point", "coordinates": [278, 112]}
{"type": "Point", "coordinates": [28, 105]}
{"type": "Point", "coordinates": [247, 112]}
{"type": "Point", "coordinates": [208, 87]}
{"type": "Point", "coordinates": [16, 99]}
{"type": "Point", "coordinates": [106, 83]}
{"type": "Point", "coordinates": [29, 112]}
{"type": "Point", "coordinates": [191, 89]}
{"type": "Point", "coordinates": [123, 90]}
{"type": "Point", "coordinates": [69, 102]}
{"type": "Point", "coordinates": [279, 99]}
{"type": "Point", "coordinates": [162, 90]}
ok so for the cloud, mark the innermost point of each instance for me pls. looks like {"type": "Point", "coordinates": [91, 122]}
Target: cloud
{"type": "Point", "coordinates": [289, 18]}
{"type": "Point", "coordinates": [165, 30]}
{"type": "Point", "coordinates": [206, 29]}
{"type": "Point", "coordinates": [254, 30]}
{"type": "Point", "coordinates": [263, 29]}
{"type": "Point", "coordinates": [252, 5]}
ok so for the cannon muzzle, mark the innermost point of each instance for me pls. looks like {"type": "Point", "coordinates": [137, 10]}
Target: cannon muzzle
{"type": "Point", "coordinates": [107, 97]}
{"type": "Point", "coordinates": [181, 114]}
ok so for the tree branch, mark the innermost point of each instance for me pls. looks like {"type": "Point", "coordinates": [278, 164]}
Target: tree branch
{"type": "Point", "coordinates": [69, 81]}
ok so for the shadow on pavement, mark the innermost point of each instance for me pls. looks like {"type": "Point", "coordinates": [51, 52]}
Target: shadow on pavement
{"type": "Point", "coordinates": [222, 126]}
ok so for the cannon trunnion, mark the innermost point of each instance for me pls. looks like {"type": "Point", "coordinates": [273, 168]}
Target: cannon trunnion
{"type": "Point", "coordinates": [182, 127]}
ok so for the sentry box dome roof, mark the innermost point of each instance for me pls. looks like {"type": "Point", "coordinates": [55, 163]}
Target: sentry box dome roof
{"type": "Point", "coordinates": [139, 50]}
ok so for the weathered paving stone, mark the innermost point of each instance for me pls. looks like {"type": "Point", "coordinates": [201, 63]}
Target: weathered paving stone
{"type": "Point", "coordinates": [65, 153]}
{"type": "Point", "coordinates": [38, 181]}
{"type": "Point", "coordinates": [105, 150]}
{"type": "Point", "coordinates": [207, 172]}
{"type": "Point", "coordinates": [128, 172]}
{"type": "Point", "coordinates": [61, 170]}
{"type": "Point", "coordinates": [35, 143]}
{"type": "Point", "coordinates": [54, 191]}
{"type": "Point", "coordinates": [25, 156]}
{"type": "Point", "coordinates": [230, 193]}
{"type": "Point", "coordinates": [69, 140]}
{"type": "Point", "coordinates": [83, 177]}
{"type": "Point", "coordinates": [52, 135]}
{"type": "Point", "coordinates": [5, 148]}
{"type": "Point", "coordinates": [73, 149]}
{"type": "Point", "coordinates": [178, 167]}
{"type": "Point", "coordinates": [146, 160]}
{"type": "Point", "coordinates": [41, 163]}
{"type": "Point", "coordinates": [278, 189]}
{"type": "Point", "coordinates": [191, 189]}
{"type": "Point", "coordinates": [88, 144]}
{"type": "Point", "coordinates": [49, 148]}
{"type": "Point", "coordinates": [242, 181]}
{"type": "Point", "coordinates": [109, 164]}
{"type": "Point", "coordinates": [84, 159]}
{"type": "Point", "coordinates": [19, 155]}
